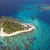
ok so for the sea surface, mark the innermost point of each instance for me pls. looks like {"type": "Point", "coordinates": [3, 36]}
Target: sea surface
{"type": "Point", "coordinates": [35, 12]}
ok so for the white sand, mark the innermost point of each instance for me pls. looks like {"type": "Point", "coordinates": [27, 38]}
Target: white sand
{"type": "Point", "coordinates": [2, 34]}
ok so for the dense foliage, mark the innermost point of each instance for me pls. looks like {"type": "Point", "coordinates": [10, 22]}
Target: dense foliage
{"type": "Point", "coordinates": [9, 26]}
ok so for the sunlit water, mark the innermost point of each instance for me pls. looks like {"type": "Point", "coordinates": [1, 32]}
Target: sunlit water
{"type": "Point", "coordinates": [39, 38]}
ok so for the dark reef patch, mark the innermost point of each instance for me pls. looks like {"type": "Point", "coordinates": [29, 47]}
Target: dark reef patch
{"type": "Point", "coordinates": [1, 43]}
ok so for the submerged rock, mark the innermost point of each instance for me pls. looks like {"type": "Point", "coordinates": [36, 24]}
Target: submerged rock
{"type": "Point", "coordinates": [1, 43]}
{"type": "Point", "coordinates": [17, 48]}
{"type": "Point", "coordinates": [26, 45]}
{"type": "Point", "coordinates": [34, 38]}
{"type": "Point", "coordinates": [32, 18]}
{"type": "Point", "coordinates": [39, 48]}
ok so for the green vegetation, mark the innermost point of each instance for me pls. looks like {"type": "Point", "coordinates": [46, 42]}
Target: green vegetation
{"type": "Point", "coordinates": [10, 26]}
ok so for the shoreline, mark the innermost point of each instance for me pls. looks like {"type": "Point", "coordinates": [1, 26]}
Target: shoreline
{"type": "Point", "coordinates": [2, 34]}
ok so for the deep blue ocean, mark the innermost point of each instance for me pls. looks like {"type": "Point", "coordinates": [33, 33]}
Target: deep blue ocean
{"type": "Point", "coordinates": [35, 12]}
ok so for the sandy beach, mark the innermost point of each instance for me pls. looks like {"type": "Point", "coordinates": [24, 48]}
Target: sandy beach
{"type": "Point", "coordinates": [2, 34]}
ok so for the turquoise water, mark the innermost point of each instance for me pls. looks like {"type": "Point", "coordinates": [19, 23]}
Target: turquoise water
{"type": "Point", "coordinates": [38, 39]}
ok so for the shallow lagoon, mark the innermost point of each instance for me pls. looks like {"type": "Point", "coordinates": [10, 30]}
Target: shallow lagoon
{"type": "Point", "coordinates": [38, 39]}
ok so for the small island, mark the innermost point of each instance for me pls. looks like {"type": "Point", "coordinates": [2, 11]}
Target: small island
{"type": "Point", "coordinates": [10, 27]}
